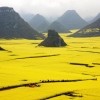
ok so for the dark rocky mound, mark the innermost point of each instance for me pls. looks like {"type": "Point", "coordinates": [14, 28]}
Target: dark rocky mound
{"type": "Point", "coordinates": [13, 26]}
{"type": "Point", "coordinates": [58, 27]}
{"type": "Point", "coordinates": [71, 20]}
{"type": "Point", "coordinates": [53, 40]}
{"type": "Point", "coordinates": [1, 49]}
{"type": "Point", "coordinates": [90, 30]}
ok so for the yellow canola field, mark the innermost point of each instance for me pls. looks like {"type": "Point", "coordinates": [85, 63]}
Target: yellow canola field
{"type": "Point", "coordinates": [25, 62]}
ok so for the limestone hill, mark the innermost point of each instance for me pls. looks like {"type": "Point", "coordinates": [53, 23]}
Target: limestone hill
{"type": "Point", "coordinates": [13, 26]}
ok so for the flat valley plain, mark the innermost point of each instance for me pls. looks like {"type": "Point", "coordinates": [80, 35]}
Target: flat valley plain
{"type": "Point", "coordinates": [29, 72]}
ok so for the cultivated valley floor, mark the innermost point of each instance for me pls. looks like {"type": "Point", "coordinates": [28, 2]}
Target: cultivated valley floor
{"type": "Point", "coordinates": [29, 72]}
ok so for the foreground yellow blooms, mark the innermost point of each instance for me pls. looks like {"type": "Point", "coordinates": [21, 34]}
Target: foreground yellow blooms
{"type": "Point", "coordinates": [78, 64]}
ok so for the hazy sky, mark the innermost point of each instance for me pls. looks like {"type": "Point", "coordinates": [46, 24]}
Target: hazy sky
{"type": "Point", "coordinates": [86, 8]}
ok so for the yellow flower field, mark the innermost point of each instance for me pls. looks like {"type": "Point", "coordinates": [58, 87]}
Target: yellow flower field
{"type": "Point", "coordinates": [78, 64]}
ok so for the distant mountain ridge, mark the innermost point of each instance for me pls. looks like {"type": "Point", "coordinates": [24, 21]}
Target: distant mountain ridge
{"type": "Point", "coordinates": [27, 16]}
{"type": "Point", "coordinates": [71, 20]}
{"type": "Point", "coordinates": [58, 27]}
{"type": "Point", "coordinates": [39, 23]}
{"type": "Point", "coordinates": [95, 18]}
{"type": "Point", "coordinates": [90, 30]}
{"type": "Point", "coordinates": [13, 26]}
